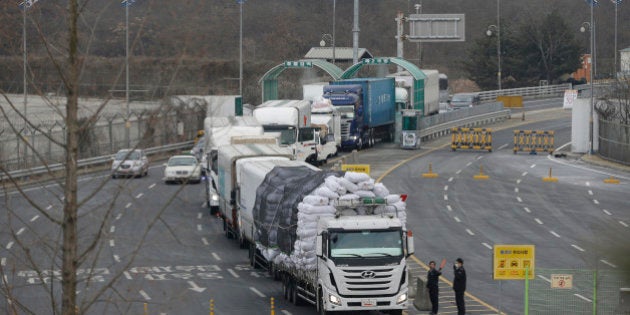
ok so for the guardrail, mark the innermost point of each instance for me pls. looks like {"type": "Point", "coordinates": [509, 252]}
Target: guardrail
{"type": "Point", "coordinates": [439, 125]}
{"type": "Point", "coordinates": [89, 162]}
{"type": "Point", "coordinates": [528, 92]}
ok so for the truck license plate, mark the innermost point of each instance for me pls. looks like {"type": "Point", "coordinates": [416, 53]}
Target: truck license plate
{"type": "Point", "coordinates": [368, 302]}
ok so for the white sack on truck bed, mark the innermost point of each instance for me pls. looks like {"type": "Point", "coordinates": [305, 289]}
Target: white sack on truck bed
{"type": "Point", "coordinates": [291, 200]}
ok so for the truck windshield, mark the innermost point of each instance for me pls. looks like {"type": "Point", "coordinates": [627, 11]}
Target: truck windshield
{"type": "Point", "coordinates": [346, 112]}
{"type": "Point", "coordinates": [286, 134]}
{"type": "Point", "coordinates": [365, 244]}
{"type": "Point", "coordinates": [306, 134]}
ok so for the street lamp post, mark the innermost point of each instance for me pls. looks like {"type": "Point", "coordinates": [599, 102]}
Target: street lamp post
{"type": "Point", "coordinates": [495, 28]}
{"type": "Point", "coordinates": [127, 122]}
{"type": "Point", "coordinates": [590, 26]}
{"type": "Point", "coordinates": [240, 59]}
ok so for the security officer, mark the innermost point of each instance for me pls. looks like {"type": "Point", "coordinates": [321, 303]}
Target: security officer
{"type": "Point", "coordinates": [432, 284]}
{"type": "Point", "coordinates": [459, 285]}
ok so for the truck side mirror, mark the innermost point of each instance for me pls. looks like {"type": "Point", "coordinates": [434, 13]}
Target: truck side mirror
{"type": "Point", "coordinates": [410, 247]}
{"type": "Point", "coordinates": [318, 246]}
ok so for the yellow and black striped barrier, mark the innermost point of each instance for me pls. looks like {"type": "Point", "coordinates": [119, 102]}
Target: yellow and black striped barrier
{"type": "Point", "coordinates": [471, 138]}
{"type": "Point", "coordinates": [533, 141]}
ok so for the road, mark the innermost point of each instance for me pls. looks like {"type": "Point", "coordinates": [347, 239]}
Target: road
{"type": "Point", "coordinates": [163, 252]}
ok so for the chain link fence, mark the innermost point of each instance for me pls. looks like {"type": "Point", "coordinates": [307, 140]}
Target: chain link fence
{"type": "Point", "coordinates": [575, 291]}
{"type": "Point", "coordinates": [614, 141]}
{"type": "Point", "coordinates": [162, 125]}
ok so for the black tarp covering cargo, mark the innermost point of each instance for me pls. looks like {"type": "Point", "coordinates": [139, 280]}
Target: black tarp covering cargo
{"type": "Point", "coordinates": [277, 198]}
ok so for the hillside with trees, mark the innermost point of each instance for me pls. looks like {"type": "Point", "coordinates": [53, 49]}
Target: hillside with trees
{"type": "Point", "coordinates": [193, 46]}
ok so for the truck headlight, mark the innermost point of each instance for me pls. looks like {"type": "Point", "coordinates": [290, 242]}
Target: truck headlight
{"type": "Point", "coordinates": [215, 197]}
{"type": "Point", "coordinates": [401, 298]}
{"type": "Point", "coordinates": [334, 299]}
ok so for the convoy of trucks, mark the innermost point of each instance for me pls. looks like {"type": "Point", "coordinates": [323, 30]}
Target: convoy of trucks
{"type": "Point", "coordinates": [290, 122]}
{"type": "Point", "coordinates": [367, 107]}
{"type": "Point", "coordinates": [336, 240]}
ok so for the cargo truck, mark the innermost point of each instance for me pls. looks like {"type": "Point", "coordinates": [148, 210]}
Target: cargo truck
{"type": "Point", "coordinates": [290, 121]}
{"type": "Point", "coordinates": [235, 222]}
{"type": "Point", "coordinates": [430, 104]}
{"type": "Point", "coordinates": [328, 246]}
{"type": "Point", "coordinates": [327, 121]}
{"type": "Point", "coordinates": [367, 108]}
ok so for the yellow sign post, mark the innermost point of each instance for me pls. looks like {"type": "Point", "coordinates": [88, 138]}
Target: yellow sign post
{"type": "Point", "coordinates": [511, 261]}
{"type": "Point", "coordinates": [359, 168]}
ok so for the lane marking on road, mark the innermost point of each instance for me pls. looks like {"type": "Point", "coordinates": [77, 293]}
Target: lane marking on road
{"type": "Point", "coordinates": [533, 165]}
{"type": "Point", "coordinates": [35, 218]}
{"type": "Point", "coordinates": [527, 210]}
{"type": "Point", "coordinates": [198, 227]}
{"type": "Point", "coordinates": [486, 245]}
{"type": "Point", "coordinates": [519, 199]}
{"type": "Point", "coordinates": [117, 258]}
{"type": "Point", "coordinates": [583, 298]}
{"type": "Point", "coordinates": [448, 207]}
{"type": "Point", "coordinates": [128, 205]}
{"type": "Point", "coordinates": [457, 219]}
{"type": "Point", "coordinates": [145, 295]}
{"type": "Point", "coordinates": [450, 179]}
{"type": "Point", "coordinates": [503, 146]}
{"type": "Point", "coordinates": [285, 312]}
{"type": "Point", "coordinates": [20, 231]}
{"type": "Point", "coordinates": [595, 201]}
{"type": "Point", "coordinates": [445, 187]}
{"type": "Point", "coordinates": [111, 243]}
{"type": "Point", "coordinates": [112, 229]}
{"type": "Point", "coordinates": [204, 241]}
{"type": "Point", "coordinates": [608, 263]}
{"type": "Point", "coordinates": [538, 221]}
{"type": "Point", "coordinates": [254, 274]}
{"type": "Point", "coordinates": [216, 257]}
{"type": "Point", "coordinates": [127, 275]}
{"type": "Point", "coordinates": [544, 278]}
{"type": "Point", "coordinates": [49, 207]}
{"type": "Point", "coordinates": [445, 197]}
{"type": "Point", "coordinates": [233, 273]}
{"type": "Point", "coordinates": [139, 195]}
{"type": "Point", "coordinates": [518, 181]}
{"type": "Point", "coordinates": [590, 192]}
{"type": "Point", "coordinates": [516, 189]}
{"type": "Point", "coordinates": [257, 292]}
{"type": "Point", "coordinates": [623, 223]}
{"type": "Point", "coordinates": [199, 215]}
{"type": "Point", "coordinates": [554, 234]}
{"type": "Point", "coordinates": [469, 164]}
{"type": "Point", "coordinates": [152, 185]}
{"type": "Point", "coordinates": [203, 204]}
{"type": "Point", "coordinates": [578, 247]}
{"type": "Point", "coordinates": [10, 245]}
{"type": "Point", "coordinates": [607, 212]}
{"type": "Point", "coordinates": [479, 157]}
{"type": "Point", "coordinates": [588, 184]}
{"type": "Point", "coordinates": [524, 174]}
{"type": "Point", "coordinates": [470, 232]}
{"type": "Point", "coordinates": [118, 216]}
{"type": "Point", "coordinates": [3, 261]}
{"type": "Point", "coordinates": [458, 171]}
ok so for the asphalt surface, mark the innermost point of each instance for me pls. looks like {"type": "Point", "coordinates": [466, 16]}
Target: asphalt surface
{"type": "Point", "coordinates": [161, 252]}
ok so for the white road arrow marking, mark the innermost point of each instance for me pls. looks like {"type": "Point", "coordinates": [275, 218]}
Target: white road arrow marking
{"type": "Point", "coordinates": [195, 287]}
{"type": "Point", "coordinates": [145, 295]}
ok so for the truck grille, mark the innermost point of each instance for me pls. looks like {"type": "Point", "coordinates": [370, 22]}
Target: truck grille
{"type": "Point", "coordinates": [345, 129]}
{"type": "Point", "coordinates": [369, 281]}
{"type": "Point", "coordinates": [181, 172]}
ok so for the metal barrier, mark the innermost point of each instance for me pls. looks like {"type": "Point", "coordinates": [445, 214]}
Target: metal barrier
{"type": "Point", "coordinates": [471, 138]}
{"type": "Point", "coordinates": [534, 141]}
{"type": "Point", "coordinates": [528, 92]}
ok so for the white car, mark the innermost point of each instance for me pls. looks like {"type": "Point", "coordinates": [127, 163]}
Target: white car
{"type": "Point", "coordinates": [182, 168]}
{"type": "Point", "coordinates": [130, 162]}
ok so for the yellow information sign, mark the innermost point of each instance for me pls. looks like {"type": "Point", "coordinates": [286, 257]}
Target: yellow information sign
{"type": "Point", "coordinates": [359, 168]}
{"type": "Point", "coordinates": [510, 262]}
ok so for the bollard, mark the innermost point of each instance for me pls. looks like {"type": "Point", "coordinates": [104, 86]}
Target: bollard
{"type": "Point", "coordinates": [211, 306]}
{"type": "Point", "coordinates": [430, 174]}
{"type": "Point", "coordinates": [146, 309]}
{"type": "Point", "coordinates": [421, 301]}
{"type": "Point", "coordinates": [611, 180]}
{"type": "Point", "coordinates": [481, 175]}
{"type": "Point", "coordinates": [354, 157]}
{"type": "Point", "coordinates": [273, 311]}
{"type": "Point", "coordinates": [550, 179]}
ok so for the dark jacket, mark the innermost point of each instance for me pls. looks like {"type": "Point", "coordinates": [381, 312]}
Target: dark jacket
{"type": "Point", "coordinates": [459, 283]}
{"type": "Point", "coordinates": [432, 278]}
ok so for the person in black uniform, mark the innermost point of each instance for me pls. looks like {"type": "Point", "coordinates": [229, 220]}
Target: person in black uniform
{"type": "Point", "coordinates": [432, 284]}
{"type": "Point", "coordinates": [459, 285]}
